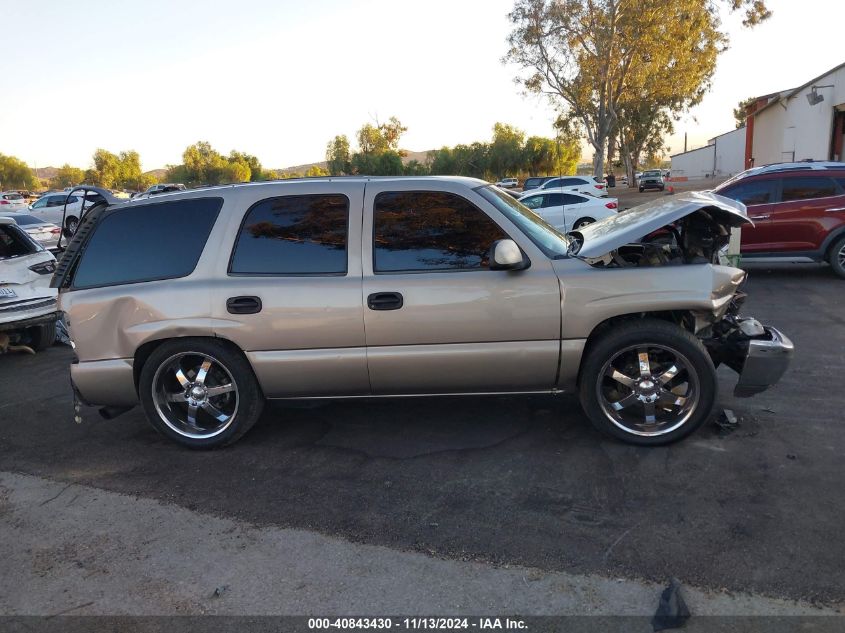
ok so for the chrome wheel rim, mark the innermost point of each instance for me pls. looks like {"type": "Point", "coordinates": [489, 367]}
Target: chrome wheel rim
{"type": "Point", "coordinates": [841, 256]}
{"type": "Point", "coordinates": [648, 389]}
{"type": "Point", "coordinates": [195, 395]}
{"type": "Point", "coordinates": [72, 225]}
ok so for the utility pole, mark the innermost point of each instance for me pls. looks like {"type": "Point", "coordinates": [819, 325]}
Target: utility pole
{"type": "Point", "coordinates": [685, 141]}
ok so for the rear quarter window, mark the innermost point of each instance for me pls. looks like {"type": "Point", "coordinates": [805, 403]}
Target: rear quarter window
{"type": "Point", "coordinates": [147, 243]}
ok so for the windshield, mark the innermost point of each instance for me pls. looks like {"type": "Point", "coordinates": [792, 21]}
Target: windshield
{"type": "Point", "coordinates": [548, 239]}
{"type": "Point", "coordinates": [653, 172]}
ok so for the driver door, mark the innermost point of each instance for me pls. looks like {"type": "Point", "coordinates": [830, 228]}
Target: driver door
{"type": "Point", "coordinates": [436, 318]}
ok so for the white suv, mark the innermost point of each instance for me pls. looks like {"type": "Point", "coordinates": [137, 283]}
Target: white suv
{"type": "Point", "coordinates": [28, 310]}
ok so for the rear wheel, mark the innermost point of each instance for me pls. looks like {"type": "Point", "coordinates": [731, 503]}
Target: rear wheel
{"type": "Point", "coordinates": [200, 393]}
{"type": "Point", "coordinates": [71, 224]}
{"type": "Point", "coordinates": [581, 223]}
{"type": "Point", "coordinates": [837, 257]}
{"type": "Point", "coordinates": [641, 189]}
{"type": "Point", "coordinates": [648, 382]}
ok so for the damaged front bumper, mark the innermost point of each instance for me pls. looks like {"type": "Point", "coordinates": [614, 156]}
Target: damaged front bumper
{"type": "Point", "coordinates": [759, 354]}
{"type": "Point", "coordinates": [765, 363]}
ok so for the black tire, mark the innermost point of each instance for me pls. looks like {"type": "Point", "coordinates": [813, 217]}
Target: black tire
{"type": "Point", "coordinates": [247, 395]}
{"type": "Point", "coordinates": [641, 189]}
{"type": "Point", "coordinates": [836, 257]}
{"type": "Point", "coordinates": [72, 223]}
{"type": "Point", "coordinates": [42, 336]}
{"type": "Point", "coordinates": [644, 333]}
{"type": "Point", "coordinates": [582, 222]}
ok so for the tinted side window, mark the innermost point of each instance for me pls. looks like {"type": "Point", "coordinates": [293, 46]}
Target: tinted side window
{"type": "Point", "coordinates": [293, 235]}
{"type": "Point", "coordinates": [751, 193]}
{"type": "Point", "coordinates": [147, 242]}
{"type": "Point", "coordinates": [554, 200]}
{"type": "Point", "coordinates": [430, 230]}
{"type": "Point", "coordinates": [807, 188]}
{"type": "Point", "coordinates": [569, 198]}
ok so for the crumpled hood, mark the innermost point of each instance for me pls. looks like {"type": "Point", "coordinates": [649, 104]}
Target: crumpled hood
{"type": "Point", "coordinates": [627, 227]}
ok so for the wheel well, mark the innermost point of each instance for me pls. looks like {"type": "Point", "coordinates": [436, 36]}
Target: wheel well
{"type": "Point", "coordinates": [143, 353]}
{"type": "Point", "coordinates": [678, 317]}
{"type": "Point", "coordinates": [828, 252]}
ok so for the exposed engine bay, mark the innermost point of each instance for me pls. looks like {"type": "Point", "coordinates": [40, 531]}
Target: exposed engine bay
{"type": "Point", "coordinates": [698, 238]}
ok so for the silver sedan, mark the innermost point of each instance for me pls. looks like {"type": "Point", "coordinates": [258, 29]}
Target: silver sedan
{"type": "Point", "coordinates": [45, 233]}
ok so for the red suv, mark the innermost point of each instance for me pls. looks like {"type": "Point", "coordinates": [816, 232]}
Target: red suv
{"type": "Point", "coordinates": [798, 211]}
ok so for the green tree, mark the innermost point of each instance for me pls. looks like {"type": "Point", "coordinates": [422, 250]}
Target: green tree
{"type": "Point", "coordinates": [741, 111]}
{"type": "Point", "coordinates": [315, 171]}
{"type": "Point", "coordinates": [14, 173]}
{"type": "Point", "coordinates": [338, 156]}
{"type": "Point", "coordinates": [505, 155]}
{"type": "Point", "coordinates": [107, 169]}
{"type": "Point", "coordinates": [256, 171]}
{"type": "Point", "coordinates": [68, 176]}
{"type": "Point", "coordinates": [202, 164]}
{"type": "Point", "coordinates": [591, 55]}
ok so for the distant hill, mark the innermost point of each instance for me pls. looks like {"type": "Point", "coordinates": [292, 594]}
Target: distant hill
{"type": "Point", "coordinates": [158, 174]}
{"type": "Point", "coordinates": [47, 173]}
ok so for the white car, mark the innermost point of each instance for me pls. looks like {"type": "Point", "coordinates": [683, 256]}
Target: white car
{"type": "Point", "coordinates": [567, 211]}
{"type": "Point", "coordinates": [508, 183]}
{"type": "Point", "coordinates": [45, 233]}
{"type": "Point", "coordinates": [49, 208]}
{"type": "Point", "coordinates": [28, 309]}
{"type": "Point", "coordinates": [12, 201]}
{"type": "Point", "coordinates": [576, 184]}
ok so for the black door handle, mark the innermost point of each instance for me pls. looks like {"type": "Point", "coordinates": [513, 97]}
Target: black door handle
{"type": "Point", "coordinates": [384, 301]}
{"type": "Point", "coordinates": [243, 305]}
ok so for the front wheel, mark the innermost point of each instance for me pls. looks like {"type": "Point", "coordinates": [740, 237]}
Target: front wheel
{"type": "Point", "coordinates": [837, 257]}
{"type": "Point", "coordinates": [641, 189]}
{"type": "Point", "coordinates": [200, 393]}
{"type": "Point", "coordinates": [648, 382]}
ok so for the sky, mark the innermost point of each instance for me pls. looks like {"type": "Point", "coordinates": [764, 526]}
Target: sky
{"type": "Point", "coordinates": [279, 79]}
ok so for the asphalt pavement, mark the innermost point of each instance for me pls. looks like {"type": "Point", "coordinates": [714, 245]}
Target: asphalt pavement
{"type": "Point", "coordinates": [507, 480]}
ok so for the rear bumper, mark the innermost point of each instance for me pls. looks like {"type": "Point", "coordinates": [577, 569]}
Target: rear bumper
{"type": "Point", "coordinates": [104, 382]}
{"type": "Point", "coordinates": [765, 363]}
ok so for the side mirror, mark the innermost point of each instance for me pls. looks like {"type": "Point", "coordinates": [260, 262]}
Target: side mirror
{"type": "Point", "coordinates": [506, 255]}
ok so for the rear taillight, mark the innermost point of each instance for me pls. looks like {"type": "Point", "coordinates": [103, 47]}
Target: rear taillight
{"type": "Point", "coordinates": [599, 186]}
{"type": "Point", "coordinates": [44, 268]}
{"type": "Point", "coordinates": [611, 205]}
{"type": "Point", "coordinates": [55, 231]}
{"type": "Point", "coordinates": [4, 202]}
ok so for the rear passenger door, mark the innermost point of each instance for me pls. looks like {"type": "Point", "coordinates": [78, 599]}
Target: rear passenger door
{"type": "Point", "coordinates": [437, 319]}
{"type": "Point", "coordinates": [289, 290]}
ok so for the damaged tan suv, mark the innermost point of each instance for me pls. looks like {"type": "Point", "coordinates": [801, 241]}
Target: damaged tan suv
{"type": "Point", "coordinates": [202, 304]}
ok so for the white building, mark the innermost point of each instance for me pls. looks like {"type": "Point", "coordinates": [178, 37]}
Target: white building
{"type": "Point", "coordinates": [805, 123]}
{"type": "Point", "coordinates": [722, 157]}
